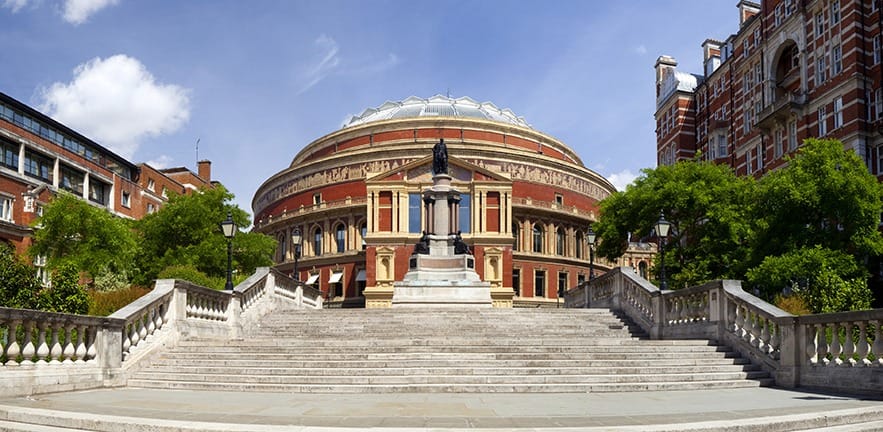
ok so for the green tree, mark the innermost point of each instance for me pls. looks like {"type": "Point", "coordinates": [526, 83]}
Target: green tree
{"type": "Point", "coordinates": [825, 196]}
{"type": "Point", "coordinates": [707, 205]}
{"type": "Point", "coordinates": [186, 232]}
{"type": "Point", "coordinates": [93, 241]}
{"type": "Point", "coordinates": [19, 286]}
{"type": "Point", "coordinates": [827, 280]}
{"type": "Point", "coordinates": [64, 293]}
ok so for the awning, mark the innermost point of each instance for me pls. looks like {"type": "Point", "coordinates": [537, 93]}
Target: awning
{"type": "Point", "coordinates": [312, 279]}
{"type": "Point", "coordinates": [360, 276]}
{"type": "Point", "coordinates": [335, 277]}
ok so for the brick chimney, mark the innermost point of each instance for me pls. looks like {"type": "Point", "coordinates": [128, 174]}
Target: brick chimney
{"type": "Point", "coordinates": [204, 168]}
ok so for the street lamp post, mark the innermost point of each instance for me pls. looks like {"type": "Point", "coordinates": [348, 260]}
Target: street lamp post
{"type": "Point", "coordinates": [296, 239]}
{"type": "Point", "coordinates": [590, 239]}
{"type": "Point", "coordinates": [662, 228]}
{"type": "Point", "coordinates": [229, 229]}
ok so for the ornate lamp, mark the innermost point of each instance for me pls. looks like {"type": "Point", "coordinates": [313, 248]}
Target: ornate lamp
{"type": "Point", "coordinates": [228, 227]}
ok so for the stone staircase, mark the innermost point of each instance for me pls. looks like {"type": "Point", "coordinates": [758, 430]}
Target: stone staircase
{"type": "Point", "coordinates": [446, 350]}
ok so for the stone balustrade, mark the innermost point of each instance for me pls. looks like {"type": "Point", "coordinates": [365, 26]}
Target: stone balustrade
{"type": "Point", "coordinates": [840, 351]}
{"type": "Point", "coordinates": [47, 352]}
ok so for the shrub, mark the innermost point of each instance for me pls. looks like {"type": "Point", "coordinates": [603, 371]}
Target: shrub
{"type": "Point", "coordinates": [190, 273]}
{"type": "Point", "coordinates": [795, 305]}
{"type": "Point", "coordinates": [104, 303]}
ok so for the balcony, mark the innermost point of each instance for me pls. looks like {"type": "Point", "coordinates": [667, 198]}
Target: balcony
{"type": "Point", "coordinates": [785, 107]}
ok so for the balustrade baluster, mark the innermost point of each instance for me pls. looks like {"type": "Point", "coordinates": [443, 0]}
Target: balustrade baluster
{"type": "Point", "coordinates": [12, 347]}
{"type": "Point", "coordinates": [731, 316]}
{"type": "Point", "coordinates": [810, 350]}
{"type": "Point", "coordinates": [862, 348]}
{"type": "Point", "coordinates": [91, 349]}
{"type": "Point", "coordinates": [764, 343]}
{"type": "Point", "coordinates": [822, 344]}
{"type": "Point", "coordinates": [142, 331]}
{"type": "Point", "coordinates": [775, 340]}
{"type": "Point", "coordinates": [69, 348]}
{"type": "Point", "coordinates": [848, 345]}
{"type": "Point", "coordinates": [878, 343]}
{"type": "Point", "coordinates": [29, 350]}
{"type": "Point", "coordinates": [836, 348]}
{"type": "Point", "coordinates": [81, 344]}
{"type": "Point", "coordinates": [42, 346]}
{"type": "Point", "coordinates": [151, 320]}
{"type": "Point", "coordinates": [56, 350]}
{"type": "Point", "coordinates": [161, 316]}
{"type": "Point", "coordinates": [739, 322]}
{"type": "Point", "coordinates": [135, 331]}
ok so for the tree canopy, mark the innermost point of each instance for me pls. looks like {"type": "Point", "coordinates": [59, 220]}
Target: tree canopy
{"type": "Point", "coordinates": [806, 228]}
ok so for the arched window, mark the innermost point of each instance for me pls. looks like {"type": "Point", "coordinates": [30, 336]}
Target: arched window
{"type": "Point", "coordinates": [317, 242]}
{"type": "Point", "coordinates": [578, 247]}
{"type": "Point", "coordinates": [560, 239]}
{"type": "Point", "coordinates": [340, 238]}
{"type": "Point", "coordinates": [516, 232]}
{"type": "Point", "coordinates": [537, 238]}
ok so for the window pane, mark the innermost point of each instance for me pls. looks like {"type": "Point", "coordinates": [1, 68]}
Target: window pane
{"type": "Point", "coordinates": [414, 219]}
{"type": "Point", "coordinates": [465, 213]}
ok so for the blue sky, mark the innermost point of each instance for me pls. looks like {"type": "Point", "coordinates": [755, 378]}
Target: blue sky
{"type": "Point", "coordinates": [255, 81]}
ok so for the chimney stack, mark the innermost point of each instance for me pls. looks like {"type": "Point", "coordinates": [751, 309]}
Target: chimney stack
{"type": "Point", "coordinates": [204, 168]}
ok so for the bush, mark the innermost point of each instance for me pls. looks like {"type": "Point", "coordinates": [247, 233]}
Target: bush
{"type": "Point", "coordinates": [65, 295]}
{"type": "Point", "coordinates": [795, 305]}
{"type": "Point", "coordinates": [107, 280]}
{"type": "Point", "coordinates": [104, 303]}
{"type": "Point", "coordinates": [190, 274]}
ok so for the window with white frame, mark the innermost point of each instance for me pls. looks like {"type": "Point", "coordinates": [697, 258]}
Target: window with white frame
{"type": "Point", "coordinates": [746, 121]}
{"type": "Point", "coordinates": [758, 73]}
{"type": "Point", "coordinates": [748, 161]}
{"type": "Point", "coordinates": [760, 155]}
{"type": "Point", "coordinates": [838, 112]}
{"type": "Point", "coordinates": [778, 144]}
{"type": "Point", "coordinates": [820, 70]}
{"type": "Point", "coordinates": [876, 48]}
{"type": "Point", "coordinates": [836, 60]}
{"type": "Point", "coordinates": [823, 127]}
{"type": "Point", "coordinates": [745, 46]}
{"type": "Point", "coordinates": [6, 208]}
{"type": "Point", "coordinates": [820, 24]}
{"type": "Point", "coordinates": [835, 12]}
{"type": "Point", "coordinates": [42, 273]}
{"type": "Point", "coordinates": [779, 14]}
{"type": "Point", "coordinates": [878, 103]}
{"type": "Point", "coordinates": [792, 135]}
{"type": "Point", "coordinates": [721, 145]}
{"type": "Point", "coordinates": [125, 200]}
{"type": "Point", "coordinates": [746, 83]}
{"type": "Point", "coordinates": [756, 37]}
{"type": "Point", "coordinates": [874, 6]}
{"type": "Point", "coordinates": [789, 7]}
{"type": "Point", "coordinates": [879, 160]}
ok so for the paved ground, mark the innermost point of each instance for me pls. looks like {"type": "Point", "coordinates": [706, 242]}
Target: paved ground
{"type": "Point", "coordinates": [504, 411]}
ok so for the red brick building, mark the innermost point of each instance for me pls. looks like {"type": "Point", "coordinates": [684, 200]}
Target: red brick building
{"type": "Point", "coordinates": [40, 156]}
{"type": "Point", "coordinates": [794, 69]}
{"type": "Point", "coordinates": [354, 194]}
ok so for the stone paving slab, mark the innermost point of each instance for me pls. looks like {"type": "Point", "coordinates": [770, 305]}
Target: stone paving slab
{"type": "Point", "coordinates": [672, 410]}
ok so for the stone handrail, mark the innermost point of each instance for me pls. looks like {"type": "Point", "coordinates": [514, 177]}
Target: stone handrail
{"type": "Point", "coordinates": [841, 351]}
{"type": "Point", "coordinates": [103, 351]}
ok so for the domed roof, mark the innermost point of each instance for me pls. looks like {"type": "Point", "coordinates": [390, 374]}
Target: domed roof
{"type": "Point", "coordinates": [437, 106]}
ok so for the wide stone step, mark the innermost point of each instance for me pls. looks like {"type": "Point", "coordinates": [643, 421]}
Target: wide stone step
{"type": "Point", "coordinates": [453, 388]}
{"type": "Point", "coordinates": [508, 363]}
{"type": "Point", "coordinates": [557, 345]}
{"type": "Point", "coordinates": [335, 370]}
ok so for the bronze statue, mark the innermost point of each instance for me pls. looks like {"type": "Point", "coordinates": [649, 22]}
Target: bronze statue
{"type": "Point", "coordinates": [440, 158]}
{"type": "Point", "coordinates": [422, 246]}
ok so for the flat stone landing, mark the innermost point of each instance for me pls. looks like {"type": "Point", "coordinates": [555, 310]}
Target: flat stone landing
{"type": "Point", "coordinates": [748, 409]}
{"type": "Point", "coordinates": [442, 293]}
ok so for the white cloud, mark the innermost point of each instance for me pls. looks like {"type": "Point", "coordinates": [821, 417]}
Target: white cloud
{"type": "Point", "coordinates": [78, 11]}
{"type": "Point", "coordinates": [14, 5]}
{"type": "Point", "coordinates": [160, 162]}
{"type": "Point", "coordinates": [117, 102]}
{"type": "Point", "coordinates": [641, 49]}
{"type": "Point", "coordinates": [326, 64]}
{"type": "Point", "coordinates": [622, 179]}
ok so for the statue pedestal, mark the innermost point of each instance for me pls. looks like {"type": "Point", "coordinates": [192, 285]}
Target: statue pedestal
{"type": "Point", "coordinates": [442, 277]}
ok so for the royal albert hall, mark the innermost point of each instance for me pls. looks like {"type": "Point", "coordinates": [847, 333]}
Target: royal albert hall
{"type": "Point", "coordinates": [354, 195]}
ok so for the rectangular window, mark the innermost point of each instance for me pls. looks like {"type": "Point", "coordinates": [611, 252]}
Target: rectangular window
{"type": "Point", "coordinates": [792, 135]}
{"type": "Point", "coordinates": [465, 215]}
{"type": "Point", "coordinates": [760, 155]}
{"type": "Point", "coordinates": [98, 192]}
{"type": "Point", "coordinates": [562, 284]}
{"type": "Point", "coordinates": [820, 24]}
{"type": "Point", "coordinates": [878, 103]}
{"type": "Point", "coordinates": [72, 180]}
{"type": "Point", "coordinates": [746, 83]}
{"type": "Point", "coordinates": [836, 60]}
{"type": "Point", "coordinates": [317, 198]}
{"type": "Point", "coordinates": [721, 146]}
{"type": "Point", "coordinates": [9, 155]}
{"type": "Point", "coordinates": [838, 112]}
{"type": "Point", "coordinates": [874, 6]}
{"type": "Point", "coordinates": [745, 47]}
{"type": "Point", "coordinates": [125, 200]}
{"type": "Point", "coordinates": [823, 128]}
{"type": "Point", "coordinates": [779, 14]}
{"type": "Point", "coordinates": [876, 48]}
{"type": "Point", "coordinates": [820, 70]}
{"type": "Point", "coordinates": [38, 166]}
{"type": "Point", "coordinates": [778, 144]}
{"type": "Point", "coordinates": [756, 37]}
{"type": "Point", "coordinates": [6, 208]}
{"type": "Point", "coordinates": [835, 12]}
{"type": "Point", "coordinates": [758, 73]}
{"type": "Point", "coordinates": [539, 283]}
{"type": "Point", "coordinates": [746, 121]}
{"type": "Point", "coordinates": [414, 216]}
{"type": "Point", "coordinates": [789, 7]}
{"type": "Point", "coordinates": [749, 159]}
{"type": "Point", "coordinates": [516, 281]}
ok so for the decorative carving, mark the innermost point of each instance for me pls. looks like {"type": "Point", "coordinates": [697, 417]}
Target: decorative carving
{"type": "Point", "coordinates": [460, 247]}
{"type": "Point", "coordinates": [422, 246]}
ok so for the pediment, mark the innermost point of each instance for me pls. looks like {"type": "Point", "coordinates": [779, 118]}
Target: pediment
{"type": "Point", "coordinates": [420, 171]}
